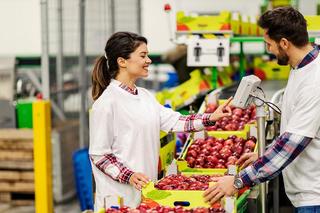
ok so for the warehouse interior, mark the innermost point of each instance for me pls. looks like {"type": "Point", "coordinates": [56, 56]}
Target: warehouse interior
{"type": "Point", "coordinates": [48, 53]}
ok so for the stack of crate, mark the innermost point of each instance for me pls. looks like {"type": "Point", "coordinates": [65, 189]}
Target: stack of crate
{"type": "Point", "coordinates": [16, 166]}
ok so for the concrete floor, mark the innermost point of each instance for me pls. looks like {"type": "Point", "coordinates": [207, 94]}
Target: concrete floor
{"type": "Point", "coordinates": [69, 207]}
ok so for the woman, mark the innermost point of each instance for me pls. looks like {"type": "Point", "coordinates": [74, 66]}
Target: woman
{"type": "Point", "coordinates": [126, 120]}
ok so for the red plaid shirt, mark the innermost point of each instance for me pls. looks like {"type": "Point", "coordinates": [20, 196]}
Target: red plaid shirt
{"type": "Point", "coordinates": [112, 167]}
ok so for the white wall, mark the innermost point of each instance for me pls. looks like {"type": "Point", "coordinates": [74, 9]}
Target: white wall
{"type": "Point", "coordinates": [20, 27]}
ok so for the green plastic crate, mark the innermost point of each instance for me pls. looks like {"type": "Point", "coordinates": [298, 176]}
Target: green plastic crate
{"type": "Point", "coordinates": [242, 203]}
{"type": "Point", "coordinates": [24, 114]}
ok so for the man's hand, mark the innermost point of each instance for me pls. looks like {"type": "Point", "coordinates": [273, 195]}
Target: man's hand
{"type": "Point", "coordinates": [247, 159]}
{"type": "Point", "coordinates": [224, 187]}
{"type": "Point", "coordinates": [222, 111]}
{"type": "Point", "coordinates": [138, 180]}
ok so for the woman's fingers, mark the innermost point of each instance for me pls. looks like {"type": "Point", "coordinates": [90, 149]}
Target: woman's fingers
{"type": "Point", "coordinates": [228, 109]}
{"type": "Point", "coordinates": [227, 102]}
{"type": "Point", "coordinates": [144, 178]}
{"type": "Point", "coordinates": [139, 180]}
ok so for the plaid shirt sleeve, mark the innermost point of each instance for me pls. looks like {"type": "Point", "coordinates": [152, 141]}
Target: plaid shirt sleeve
{"type": "Point", "coordinates": [193, 123]}
{"type": "Point", "coordinates": [110, 165]}
{"type": "Point", "coordinates": [286, 148]}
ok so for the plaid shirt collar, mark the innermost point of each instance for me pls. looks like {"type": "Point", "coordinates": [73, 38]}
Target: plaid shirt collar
{"type": "Point", "coordinates": [133, 91]}
{"type": "Point", "coordinates": [309, 57]}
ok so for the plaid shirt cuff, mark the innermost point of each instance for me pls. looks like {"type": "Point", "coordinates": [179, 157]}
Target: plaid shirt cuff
{"type": "Point", "coordinates": [112, 167]}
{"type": "Point", "coordinates": [125, 175]}
{"type": "Point", "coordinates": [206, 120]}
{"type": "Point", "coordinates": [246, 179]}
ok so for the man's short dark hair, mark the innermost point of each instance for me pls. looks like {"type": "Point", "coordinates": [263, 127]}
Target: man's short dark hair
{"type": "Point", "coordinates": [285, 22]}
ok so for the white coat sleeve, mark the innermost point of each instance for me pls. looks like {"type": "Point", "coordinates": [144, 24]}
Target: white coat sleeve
{"type": "Point", "coordinates": [175, 122]}
{"type": "Point", "coordinates": [101, 139]}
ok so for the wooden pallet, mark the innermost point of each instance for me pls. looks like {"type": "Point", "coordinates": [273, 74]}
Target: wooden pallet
{"type": "Point", "coordinates": [8, 175]}
{"type": "Point", "coordinates": [16, 149]}
{"type": "Point", "coordinates": [16, 134]}
{"type": "Point", "coordinates": [16, 167]}
{"type": "Point", "coordinates": [16, 155]}
{"type": "Point", "coordinates": [16, 186]}
{"type": "Point", "coordinates": [17, 199]}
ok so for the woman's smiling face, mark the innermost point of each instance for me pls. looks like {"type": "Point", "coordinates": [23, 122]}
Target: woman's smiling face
{"type": "Point", "coordinates": [138, 63]}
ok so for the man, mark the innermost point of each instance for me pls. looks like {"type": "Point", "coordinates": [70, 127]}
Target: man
{"type": "Point", "coordinates": [297, 150]}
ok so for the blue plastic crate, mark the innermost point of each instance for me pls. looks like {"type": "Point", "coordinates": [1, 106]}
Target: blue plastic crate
{"type": "Point", "coordinates": [83, 178]}
{"type": "Point", "coordinates": [172, 81]}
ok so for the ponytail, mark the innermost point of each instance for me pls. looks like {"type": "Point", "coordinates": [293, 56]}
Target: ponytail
{"type": "Point", "coordinates": [101, 77]}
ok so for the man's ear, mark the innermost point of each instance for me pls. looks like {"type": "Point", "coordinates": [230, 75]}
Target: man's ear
{"type": "Point", "coordinates": [122, 62]}
{"type": "Point", "coordinates": [284, 44]}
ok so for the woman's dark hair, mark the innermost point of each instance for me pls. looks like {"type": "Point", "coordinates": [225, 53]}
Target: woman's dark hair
{"type": "Point", "coordinates": [285, 22]}
{"type": "Point", "coordinates": [120, 44]}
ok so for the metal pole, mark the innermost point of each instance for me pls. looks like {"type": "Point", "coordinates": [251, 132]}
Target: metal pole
{"type": "Point", "coordinates": [59, 73]}
{"type": "Point", "coordinates": [276, 195]}
{"type": "Point", "coordinates": [35, 81]}
{"type": "Point", "coordinates": [45, 50]}
{"type": "Point", "coordinates": [83, 133]}
{"type": "Point", "coordinates": [242, 61]}
{"type": "Point", "coordinates": [139, 9]}
{"type": "Point", "coordinates": [113, 16]}
{"type": "Point", "coordinates": [262, 146]}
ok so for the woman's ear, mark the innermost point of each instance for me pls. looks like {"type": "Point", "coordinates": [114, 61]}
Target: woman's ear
{"type": "Point", "coordinates": [122, 62]}
{"type": "Point", "coordinates": [284, 43]}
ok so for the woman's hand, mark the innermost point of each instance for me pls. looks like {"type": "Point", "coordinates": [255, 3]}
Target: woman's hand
{"type": "Point", "coordinates": [247, 159]}
{"type": "Point", "coordinates": [138, 180]}
{"type": "Point", "coordinates": [222, 111]}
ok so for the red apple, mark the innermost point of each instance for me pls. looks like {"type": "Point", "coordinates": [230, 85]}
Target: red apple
{"type": "Point", "coordinates": [191, 161]}
{"type": "Point", "coordinates": [212, 159]}
{"type": "Point", "coordinates": [220, 166]}
{"type": "Point", "coordinates": [254, 139]}
{"type": "Point", "coordinates": [225, 152]}
{"type": "Point", "coordinates": [220, 140]}
{"type": "Point", "coordinates": [249, 145]}
{"type": "Point", "coordinates": [200, 161]}
{"type": "Point", "coordinates": [192, 153]}
{"type": "Point", "coordinates": [237, 111]}
{"type": "Point", "coordinates": [194, 147]}
{"type": "Point", "coordinates": [228, 142]}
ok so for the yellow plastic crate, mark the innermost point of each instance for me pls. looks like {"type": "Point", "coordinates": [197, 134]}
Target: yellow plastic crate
{"type": "Point", "coordinates": [167, 150]}
{"type": "Point", "coordinates": [270, 70]}
{"type": "Point", "coordinates": [203, 22]}
{"type": "Point", "coordinates": [224, 134]}
{"type": "Point", "coordinates": [313, 23]}
{"type": "Point", "coordinates": [193, 198]}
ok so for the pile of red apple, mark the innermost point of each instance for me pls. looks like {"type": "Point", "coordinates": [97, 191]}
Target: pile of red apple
{"type": "Point", "coordinates": [237, 121]}
{"type": "Point", "coordinates": [217, 152]}
{"type": "Point", "coordinates": [181, 182]}
{"type": "Point", "coordinates": [165, 209]}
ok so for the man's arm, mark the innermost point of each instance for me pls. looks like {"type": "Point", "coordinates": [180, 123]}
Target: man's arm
{"type": "Point", "coordinates": [286, 148]}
